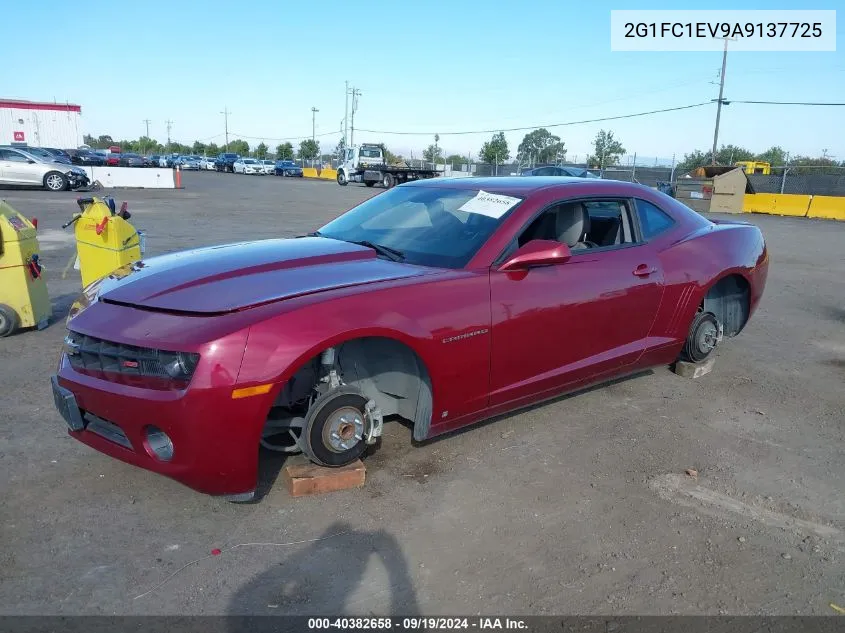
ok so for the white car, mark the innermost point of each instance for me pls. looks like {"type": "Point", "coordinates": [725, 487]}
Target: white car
{"type": "Point", "coordinates": [247, 166]}
{"type": "Point", "coordinates": [207, 163]}
{"type": "Point", "coordinates": [269, 166]}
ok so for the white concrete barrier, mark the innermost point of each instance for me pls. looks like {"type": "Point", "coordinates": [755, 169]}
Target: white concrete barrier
{"type": "Point", "coordinates": [133, 177]}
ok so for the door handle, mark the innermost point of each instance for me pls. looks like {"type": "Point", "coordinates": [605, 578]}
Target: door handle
{"type": "Point", "coordinates": [644, 270]}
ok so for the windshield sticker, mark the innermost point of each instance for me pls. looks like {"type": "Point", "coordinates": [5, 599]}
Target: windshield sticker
{"type": "Point", "coordinates": [492, 205]}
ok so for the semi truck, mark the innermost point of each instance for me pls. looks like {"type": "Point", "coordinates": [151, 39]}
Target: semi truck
{"type": "Point", "coordinates": [365, 163]}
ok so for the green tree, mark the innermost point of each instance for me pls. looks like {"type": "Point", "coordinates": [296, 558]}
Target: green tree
{"type": "Point", "coordinates": [261, 151]}
{"type": "Point", "coordinates": [775, 156]}
{"type": "Point", "coordinates": [433, 154]}
{"type": "Point", "coordinates": [239, 146]}
{"type": "Point", "coordinates": [340, 148]}
{"type": "Point", "coordinates": [212, 149]}
{"type": "Point", "coordinates": [495, 151]}
{"type": "Point", "coordinates": [606, 150]}
{"type": "Point", "coordinates": [199, 148]}
{"type": "Point", "coordinates": [104, 141]}
{"type": "Point", "coordinates": [696, 158]}
{"type": "Point", "coordinates": [726, 155]}
{"type": "Point", "coordinates": [389, 157]}
{"type": "Point", "coordinates": [309, 149]}
{"type": "Point", "coordinates": [541, 146]}
{"type": "Point", "coordinates": [284, 151]}
{"type": "Point", "coordinates": [730, 154]}
{"type": "Point", "coordinates": [455, 160]}
{"type": "Point", "coordinates": [814, 165]}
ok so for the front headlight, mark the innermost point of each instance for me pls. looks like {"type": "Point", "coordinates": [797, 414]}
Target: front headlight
{"type": "Point", "coordinates": [179, 365]}
{"type": "Point", "coordinates": [84, 301]}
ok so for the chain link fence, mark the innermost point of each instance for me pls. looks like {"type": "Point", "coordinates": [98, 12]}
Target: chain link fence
{"type": "Point", "coordinates": [788, 181]}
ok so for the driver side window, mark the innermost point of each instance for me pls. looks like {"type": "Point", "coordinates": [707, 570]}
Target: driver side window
{"type": "Point", "coordinates": [12, 156]}
{"type": "Point", "coordinates": [583, 225]}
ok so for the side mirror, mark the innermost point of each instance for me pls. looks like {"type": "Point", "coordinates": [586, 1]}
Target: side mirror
{"type": "Point", "coordinates": [30, 161]}
{"type": "Point", "coordinates": [537, 253]}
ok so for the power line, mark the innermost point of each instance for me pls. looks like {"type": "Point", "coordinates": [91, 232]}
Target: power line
{"type": "Point", "coordinates": [547, 125]}
{"type": "Point", "coordinates": [801, 103]}
{"type": "Point", "coordinates": [290, 138]}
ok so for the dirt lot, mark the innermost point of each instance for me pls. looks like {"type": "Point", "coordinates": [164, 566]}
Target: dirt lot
{"type": "Point", "coordinates": [579, 506]}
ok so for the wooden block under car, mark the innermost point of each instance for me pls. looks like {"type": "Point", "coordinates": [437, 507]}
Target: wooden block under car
{"type": "Point", "coordinates": [694, 370]}
{"type": "Point", "coordinates": [310, 479]}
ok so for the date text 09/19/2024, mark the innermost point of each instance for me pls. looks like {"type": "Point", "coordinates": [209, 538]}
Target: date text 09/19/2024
{"type": "Point", "coordinates": [417, 623]}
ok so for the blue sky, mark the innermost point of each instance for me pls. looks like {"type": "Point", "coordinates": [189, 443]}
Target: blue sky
{"type": "Point", "coordinates": [430, 66]}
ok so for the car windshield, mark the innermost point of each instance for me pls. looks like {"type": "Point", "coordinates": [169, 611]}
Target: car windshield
{"type": "Point", "coordinates": [250, 161]}
{"type": "Point", "coordinates": [131, 156]}
{"type": "Point", "coordinates": [285, 163]}
{"type": "Point", "coordinates": [429, 226]}
{"type": "Point", "coordinates": [371, 152]}
{"type": "Point", "coordinates": [38, 152]}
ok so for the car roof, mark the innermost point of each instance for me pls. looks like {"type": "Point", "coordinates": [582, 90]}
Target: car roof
{"type": "Point", "coordinates": [524, 186]}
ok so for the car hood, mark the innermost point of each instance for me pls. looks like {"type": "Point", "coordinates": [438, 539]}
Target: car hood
{"type": "Point", "coordinates": [232, 277]}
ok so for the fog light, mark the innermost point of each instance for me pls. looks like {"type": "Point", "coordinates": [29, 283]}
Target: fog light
{"type": "Point", "coordinates": [159, 444]}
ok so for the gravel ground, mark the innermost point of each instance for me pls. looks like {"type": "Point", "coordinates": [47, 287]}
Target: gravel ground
{"type": "Point", "coordinates": [579, 506]}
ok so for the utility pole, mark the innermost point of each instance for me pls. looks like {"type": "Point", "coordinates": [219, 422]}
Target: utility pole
{"type": "Point", "coordinates": [226, 114]}
{"type": "Point", "coordinates": [314, 112]}
{"type": "Point", "coordinates": [169, 125]}
{"type": "Point", "coordinates": [147, 122]}
{"type": "Point", "coordinates": [721, 100]}
{"type": "Point", "coordinates": [346, 116]}
{"type": "Point", "coordinates": [355, 94]}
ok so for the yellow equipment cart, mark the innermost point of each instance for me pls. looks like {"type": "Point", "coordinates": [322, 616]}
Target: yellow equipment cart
{"type": "Point", "coordinates": [105, 240]}
{"type": "Point", "coordinates": [24, 301]}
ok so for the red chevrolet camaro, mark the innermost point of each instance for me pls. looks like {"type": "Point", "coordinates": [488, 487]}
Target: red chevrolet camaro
{"type": "Point", "coordinates": [442, 302]}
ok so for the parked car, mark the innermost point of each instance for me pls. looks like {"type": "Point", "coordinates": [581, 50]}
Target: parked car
{"type": "Point", "coordinates": [44, 154]}
{"type": "Point", "coordinates": [443, 302]}
{"type": "Point", "coordinates": [560, 170]}
{"type": "Point", "coordinates": [287, 168]}
{"type": "Point", "coordinates": [132, 160]}
{"type": "Point", "coordinates": [61, 155]}
{"type": "Point", "coordinates": [268, 166]}
{"type": "Point", "coordinates": [247, 166]}
{"type": "Point", "coordinates": [225, 162]}
{"type": "Point", "coordinates": [113, 160]}
{"type": "Point", "coordinates": [155, 160]}
{"type": "Point", "coordinates": [21, 167]}
{"type": "Point", "coordinates": [86, 157]}
{"type": "Point", "coordinates": [188, 162]}
{"type": "Point", "coordinates": [208, 163]}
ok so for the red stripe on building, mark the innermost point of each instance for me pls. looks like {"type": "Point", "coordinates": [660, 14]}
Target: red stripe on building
{"type": "Point", "coordinates": [36, 105]}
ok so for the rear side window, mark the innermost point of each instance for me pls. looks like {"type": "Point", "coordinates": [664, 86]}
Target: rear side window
{"type": "Point", "coordinates": [653, 221]}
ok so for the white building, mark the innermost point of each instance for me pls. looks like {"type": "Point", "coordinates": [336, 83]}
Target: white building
{"type": "Point", "coordinates": [40, 124]}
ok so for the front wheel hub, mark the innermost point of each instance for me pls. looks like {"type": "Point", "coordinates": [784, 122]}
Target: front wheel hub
{"type": "Point", "coordinates": [344, 429]}
{"type": "Point", "coordinates": [707, 338]}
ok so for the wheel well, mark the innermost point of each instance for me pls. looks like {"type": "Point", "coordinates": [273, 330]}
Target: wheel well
{"type": "Point", "coordinates": [729, 300]}
{"type": "Point", "coordinates": [383, 369]}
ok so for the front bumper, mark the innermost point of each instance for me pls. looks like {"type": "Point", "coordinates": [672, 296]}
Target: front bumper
{"type": "Point", "coordinates": [215, 438]}
{"type": "Point", "coordinates": [76, 180]}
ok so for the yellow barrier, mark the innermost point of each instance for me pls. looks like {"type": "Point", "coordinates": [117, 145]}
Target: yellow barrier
{"type": "Point", "coordinates": [828, 207]}
{"type": "Point", "coordinates": [328, 174]}
{"type": "Point", "coordinates": [309, 172]}
{"type": "Point", "coordinates": [777, 204]}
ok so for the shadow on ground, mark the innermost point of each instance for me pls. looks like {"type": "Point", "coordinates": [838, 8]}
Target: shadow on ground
{"type": "Point", "coordinates": [322, 578]}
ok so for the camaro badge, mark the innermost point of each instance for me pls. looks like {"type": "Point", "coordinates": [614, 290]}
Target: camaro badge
{"type": "Point", "coordinates": [461, 337]}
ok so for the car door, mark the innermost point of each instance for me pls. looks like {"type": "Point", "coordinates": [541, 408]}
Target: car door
{"type": "Point", "coordinates": [18, 168]}
{"type": "Point", "coordinates": [558, 325]}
